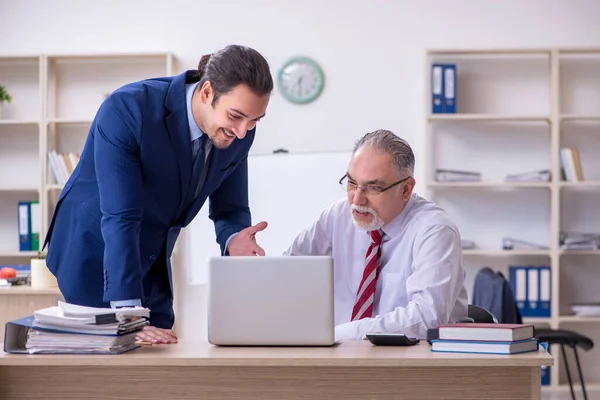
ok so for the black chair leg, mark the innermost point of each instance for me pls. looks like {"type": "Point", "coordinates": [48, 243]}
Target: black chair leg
{"type": "Point", "coordinates": [562, 347]}
{"type": "Point", "coordinates": [580, 374]}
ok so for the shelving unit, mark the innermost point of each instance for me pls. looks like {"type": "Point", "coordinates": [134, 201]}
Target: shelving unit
{"type": "Point", "coordinates": [75, 86]}
{"type": "Point", "coordinates": [55, 98]}
{"type": "Point", "coordinates": [515, 109]}
{"type": "Point", "coordinates": [20, 123]}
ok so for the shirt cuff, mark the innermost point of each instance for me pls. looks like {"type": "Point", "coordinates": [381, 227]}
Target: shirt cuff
{"type": "Point", "coordinates": [226, 252]}
{"type": "Point", "coordinates": [347, 331]}
{"type": "Point", "coordinates": [126, 303]}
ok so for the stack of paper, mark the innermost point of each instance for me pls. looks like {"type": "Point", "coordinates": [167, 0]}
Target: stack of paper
{"type": "Point", "coordinates": [69, 328]}
{"type": "Point", "coordinates": [453, 175]}
{"type": "Point", "coordinates": [544, 175]}
{"type": "Point", "coordinates": [586, 309]}
{"type": "Point", "coordinates": [579, 241]}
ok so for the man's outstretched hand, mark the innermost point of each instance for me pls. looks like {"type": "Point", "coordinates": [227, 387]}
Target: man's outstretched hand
{"type": "Point", "coordinates": [154, 335]}
{"type": "Point", "coordinates": [244, 243]}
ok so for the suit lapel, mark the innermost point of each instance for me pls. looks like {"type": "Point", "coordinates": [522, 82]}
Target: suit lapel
{"type": "Point", "coordinates": [179, 131]}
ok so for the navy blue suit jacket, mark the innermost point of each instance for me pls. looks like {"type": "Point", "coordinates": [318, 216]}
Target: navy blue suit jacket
{"type": "Point", "coordinates": [116, 221]}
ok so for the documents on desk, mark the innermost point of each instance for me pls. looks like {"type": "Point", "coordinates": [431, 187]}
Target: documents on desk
{"type": "Point", "coordinates": [69, 328]}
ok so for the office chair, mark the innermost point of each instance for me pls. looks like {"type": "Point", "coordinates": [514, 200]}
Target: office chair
{"type": "Point", "coordinates": [478, 315]}
{"type": "Point", "coordinates": [572, 339]}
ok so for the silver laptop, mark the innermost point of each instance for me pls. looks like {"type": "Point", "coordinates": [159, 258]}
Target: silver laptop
{"type": "Point", "coordinates": [271, 301]}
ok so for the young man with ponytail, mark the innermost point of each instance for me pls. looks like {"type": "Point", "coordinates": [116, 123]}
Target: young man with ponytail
{"type": "Point", "coordinates": [156, 151]}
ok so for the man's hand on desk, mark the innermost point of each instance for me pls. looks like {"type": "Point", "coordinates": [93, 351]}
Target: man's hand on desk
{"type": "Point", "coordinates": [156, 335]}
{"type": "Point", "coordinates": [244, 243]}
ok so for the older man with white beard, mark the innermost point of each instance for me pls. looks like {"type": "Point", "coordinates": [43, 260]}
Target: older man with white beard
{"type": "Point", "coordinates": [397, 257]}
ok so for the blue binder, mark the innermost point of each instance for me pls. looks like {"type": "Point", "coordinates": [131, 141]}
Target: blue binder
{"type": "Point", "coordinates": [449, 89]}
{"type": "Point", "coordinates": [533, 291]}
{"type": "Point", "coordinates": [532, 288]}
{"type": "Point", "coordinates": [437, 88]}
{"type": "Point", "coordinates": [545, 291]}
{"type": "Point", "coordinates": [24, 225]}
{"type": "Point", "coordinates": [545, 375]}
{"type": "Point", "coordinates": [518, 285]}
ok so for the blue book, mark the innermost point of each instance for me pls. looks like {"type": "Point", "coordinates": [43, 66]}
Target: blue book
{"type": "Point", "coordinates": [485, 347]}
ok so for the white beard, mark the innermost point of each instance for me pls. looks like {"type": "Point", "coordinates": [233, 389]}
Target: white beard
{"type": "Point", "coordinates": [374, 225]}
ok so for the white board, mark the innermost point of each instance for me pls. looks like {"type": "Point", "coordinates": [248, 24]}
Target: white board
{"type": "Point", "coordinates": [289, 191]}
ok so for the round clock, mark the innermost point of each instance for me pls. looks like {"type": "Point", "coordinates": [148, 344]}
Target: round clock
{"type": "Point", "coordinates": [301, 80]}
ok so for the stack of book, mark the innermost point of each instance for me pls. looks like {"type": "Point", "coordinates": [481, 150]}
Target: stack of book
{"type": "Point", "coordinates": [570, 165]}
{"type": "Point", "coordinates": [73, 329]}
{"type": "Point", "coordinates": [485, 338]}
{"type": "Point", "coordinates": [63, 165]}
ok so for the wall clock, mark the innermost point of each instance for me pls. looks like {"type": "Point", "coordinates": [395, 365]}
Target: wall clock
{"type": "Point", "coordinates": [301, 80]}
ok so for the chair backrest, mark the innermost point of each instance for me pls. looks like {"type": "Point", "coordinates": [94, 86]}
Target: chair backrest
{"type": "Point", "coordinates": [481, 315]}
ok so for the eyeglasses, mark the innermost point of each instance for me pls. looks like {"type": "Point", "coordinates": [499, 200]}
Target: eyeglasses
{"type": "Point", "coordinates": [369, 190]}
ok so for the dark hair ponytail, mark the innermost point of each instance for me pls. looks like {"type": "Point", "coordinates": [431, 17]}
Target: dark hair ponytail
{"type": "Point", "coordinates": [232, 66]}
{"type": "Point", "coordinates": [202, 65]}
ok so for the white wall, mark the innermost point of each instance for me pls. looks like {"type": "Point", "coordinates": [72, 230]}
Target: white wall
{"type": "Point", "coordinates": [372, 51]}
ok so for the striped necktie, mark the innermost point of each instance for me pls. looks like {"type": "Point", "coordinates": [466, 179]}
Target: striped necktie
{"type": "Point", "coordinates": [365, 296]}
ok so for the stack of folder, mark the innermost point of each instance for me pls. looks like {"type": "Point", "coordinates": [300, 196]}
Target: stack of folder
{"type": "Point", "coordinates": [454, 175]}
{"type": "Point", "coordinates": [579, 241]}
{"type": "Point", "coordinates": [485, 338]}
{"type": "Point", "coordinates": [72, 329]}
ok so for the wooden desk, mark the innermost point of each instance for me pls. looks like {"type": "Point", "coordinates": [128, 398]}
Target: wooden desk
{"type": "Point", "coordinates": [351, 370]}
{"type": "Point", "coordinates": [21, 301]}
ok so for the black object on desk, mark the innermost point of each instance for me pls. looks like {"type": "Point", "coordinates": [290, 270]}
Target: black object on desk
{"type": "Point", "coordinates": [391, 339]}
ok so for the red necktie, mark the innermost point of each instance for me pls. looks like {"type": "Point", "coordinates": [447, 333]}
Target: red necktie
{"type": "Point", "coordinates": [363, 308]}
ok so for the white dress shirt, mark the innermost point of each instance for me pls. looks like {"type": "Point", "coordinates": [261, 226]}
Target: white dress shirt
{"type": "Point", "coordinates": [421, 279]}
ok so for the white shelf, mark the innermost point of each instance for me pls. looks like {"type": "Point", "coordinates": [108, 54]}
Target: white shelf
{"type": "Point", "coordinates": [18, 254]}
{"type": "Point", "coordinates": [488, 117]}
{"type": "Point", "coordinates": [574, 318]}
{"type": "Point", "coordinates": [118, 57]}
{"type": "Point", "coordinates": [505, 253]}
{"type": "Point", "coordinates": [580, 252]}
{"type": "Point", "coordinates": [575, 117]}
{"type": "Point", "coordinates": [19, 189]}
{"type": "Point", "coordinates": [490, 52]}
{"type": "Point", "coordinates": [71, 121]}
{"type": "Point", "coordinates": [583, 184]}
{"type": "Point", "coordinates": [489, 185]}
{"type": "Point", "coordinates": [27, 290]}
{"type": "Point", "coordinates": [54, 186]}
{"type": "Point", "coordinates": [18, 122]}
